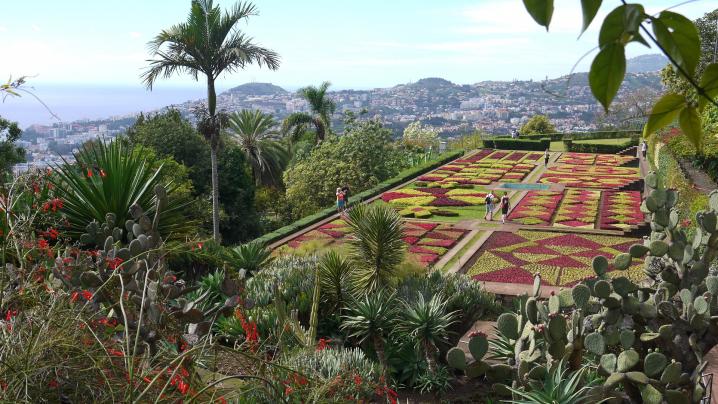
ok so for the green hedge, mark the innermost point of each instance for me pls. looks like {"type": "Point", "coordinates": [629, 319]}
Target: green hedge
{"type": "Point", "coordinates": [508, 143]}
{"type": "Point", "coordinates": [600, 147]}
{"type": "Point", "coordinates": [403, 176]}
{"type": "Point", "coordinates": [606, 134]}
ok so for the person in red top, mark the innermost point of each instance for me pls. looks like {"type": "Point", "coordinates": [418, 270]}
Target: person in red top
{"type": "Point", "coordinates": [341, 202]}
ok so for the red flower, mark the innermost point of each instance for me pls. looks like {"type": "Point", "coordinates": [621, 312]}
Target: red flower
{"type": "Point", "coordinates": [42, 244]}
{"type": "Point", "coordinates": [357, 380]}
{"type": "Point", "coordinates": [74, 296]}
{"type": "Point", "coordinates": [323, 344]}
{"type": "Point", "coordinates": [102, 173]}
{"type": "Point", "coordinates": [199, 245]}
{"type": "Point", "coordinates": [115, 352]}
{"type": "Point", "coordinates": [53, 384]}
{"type": "Point", "coordinates": [10, 314]}
{"type": "Point", "coordinates": [89, 173]}
{"type": "Point", "coordinates": [288, 390]}
{"type": "Point", "coordinates": [87, 294]}
{"type": "Point", "coordinates": [114, 263]}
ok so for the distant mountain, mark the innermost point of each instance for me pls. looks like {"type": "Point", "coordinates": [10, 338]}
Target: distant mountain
{"type": "Point", "coordinates": [250, 89]}
{"type": "Point", "coordinates": [430, 83]}
{"type": "Point", "coordinates": [646, 63]}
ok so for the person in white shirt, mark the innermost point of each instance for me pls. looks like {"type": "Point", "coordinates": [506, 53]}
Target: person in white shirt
{"type": "Point", "coordinates": [489, 205]}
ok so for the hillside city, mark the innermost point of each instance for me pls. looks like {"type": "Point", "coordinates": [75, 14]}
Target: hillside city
{"type": "Point", "coordinates": [494, 107]}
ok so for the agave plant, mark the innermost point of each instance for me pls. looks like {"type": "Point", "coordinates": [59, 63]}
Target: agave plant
{"type": "Point", "coordinates": [250, 257]}
{"type": "Point", "coordinates": [558, 387]}
{"type": "Point", "coordinates": [334, 274]}
{"type": "Point", "coordinates": [427, 323]}
{"type": "Point", "coordinates": [372, 318]}
{"type": "Point", "coordinates": [376, 245]}
{"type": "Point", "coordinates": [110, 178]}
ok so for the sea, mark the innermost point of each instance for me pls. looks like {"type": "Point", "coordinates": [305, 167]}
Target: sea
{"type": "Point", "coordinates": [76, 102]}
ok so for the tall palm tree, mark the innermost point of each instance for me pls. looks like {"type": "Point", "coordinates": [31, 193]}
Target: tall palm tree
{"type": "Point", "coordinates": [372, 318]}
{"type": "Point", "coordinates": [376, 245]}
{"type": "Point", "coordinates": [321, 107]}
{"type": "Point", "coordinates": [255, 132]}
{"type": "Point", "coordinates": [208, 43]}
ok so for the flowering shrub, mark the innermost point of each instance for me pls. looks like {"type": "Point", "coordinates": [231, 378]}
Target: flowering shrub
{"type": "Point", "coordinates": [562, 259]}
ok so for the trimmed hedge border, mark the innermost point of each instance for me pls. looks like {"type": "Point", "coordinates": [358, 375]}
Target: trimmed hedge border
{"type": "Point", "coordinates": [607, 134]}
{"type": "Point", "coordinates": [519, 144]}
{"type": "Point", "coordinates": [599, 147]}
{"type": "Point", "coordinates": [403, 176]}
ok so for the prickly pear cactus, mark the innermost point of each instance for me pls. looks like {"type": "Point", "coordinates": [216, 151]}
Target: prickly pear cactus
{"type": "Point", "coordinates": [649, 339]}
{"type": "Point", "coordinates": [129, 268]}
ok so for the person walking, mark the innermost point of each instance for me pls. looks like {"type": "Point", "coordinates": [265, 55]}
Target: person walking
{"type": "Point", "coordinates": [489, 205]}
{"type": "Point", "coordinates": [545, 158]}
{"type": "Point", "coordinates": [504, 207]}
{"type": "Point", "coordinates": [341, 203]}
{"type": "Point", "coordinates": [345, 190]}
{"type": "Point", "coordinates": [644, 149]}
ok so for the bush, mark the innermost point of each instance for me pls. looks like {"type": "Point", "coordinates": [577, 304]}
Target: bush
{"type": "Point", "coordinates": [519, 144]}
{"type": "Point", "coordinates": [600, 147]}
{"type": "Point", "coordinates": [403, 176]}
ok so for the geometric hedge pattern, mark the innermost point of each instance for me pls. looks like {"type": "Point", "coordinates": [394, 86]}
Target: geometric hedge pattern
{"type": "Point", "coordinates": [562, 259]}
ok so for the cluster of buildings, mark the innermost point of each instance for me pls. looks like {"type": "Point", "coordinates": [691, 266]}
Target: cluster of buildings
{"type": "Point", "coordinates": [495, 107]}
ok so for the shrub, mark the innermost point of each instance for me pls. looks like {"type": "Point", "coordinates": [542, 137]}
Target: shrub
{"type": "Point", "coordinates": [600, 147]}
{"type": "Point", "coordinates": [519, 144]}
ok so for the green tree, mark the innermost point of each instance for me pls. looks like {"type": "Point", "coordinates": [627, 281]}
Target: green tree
{"type": "Point", "coordinates": [418, 135]}
{"type": "Point", "coordinates": [538, 124]}
{"type": "Point", "coordinates": [321, 107]}
{"type": "Point", "coordinates": [208, 43]}
{"type": "Point", "coordinates": [361, 158]}
{"type": "Point", "coordinates": [239, 221]}
{"type": "Point", "coordinates": [256, 136]}
{"type": "Point", "coordinates": [169, 134]}
{"type": "Point", "coordinates": [9, 153]}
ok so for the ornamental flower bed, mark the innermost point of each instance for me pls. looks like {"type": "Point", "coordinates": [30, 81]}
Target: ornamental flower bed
{"type": "Point", "coordinates": [427, 242]}
{"type": "Point", "coordinates": [594, 170]}
{"type": "Point", "coordinates": [621, 210]}
{"type": "Point", "coordinates": [562, 259]}
{"type": "Point", "coordinates": [577, 158]}
{"type": "Point", "coordinates": [537, 208]}
{"type": "Point", "coordinates": [614, 160]}
{"type": "Point", "coordinates": [578, 209]}
{"type": "Point", "coordinates": [588, 181]}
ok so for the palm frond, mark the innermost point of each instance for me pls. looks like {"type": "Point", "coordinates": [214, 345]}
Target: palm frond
{"type": "Point", "coordinates": [334, 275]}
{"type": "Point", "coordinates": [257, 137]}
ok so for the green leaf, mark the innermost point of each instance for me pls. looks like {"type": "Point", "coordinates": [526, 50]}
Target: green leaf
{"type": "Point", "coordinates": [590, 8]}
{"type": "Point", "coordinates": [607, 72]}
{"type": "Point", "coordinates": [664, 111]}
{"type": "Point", "coordinates": [679, 37]}
{"type": "Point", "coordinates": [690, 122]}
{"type": "Point", "coordinates": [621, 25]}
{"type": "Point", "coordinates": [709, 82]}
{"type": "Point", "coordinates": [541, 11]}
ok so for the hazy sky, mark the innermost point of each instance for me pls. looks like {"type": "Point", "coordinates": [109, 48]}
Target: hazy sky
{"type": "Point", "coordinates": [354, 44]}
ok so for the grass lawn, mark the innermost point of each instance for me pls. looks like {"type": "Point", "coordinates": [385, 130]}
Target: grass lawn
{"type": "Point", "coordinates": [603, 141]}
{"type": "Point", "coordinates": [557, 146]}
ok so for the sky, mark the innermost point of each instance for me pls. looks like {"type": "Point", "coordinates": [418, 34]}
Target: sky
{"type": "Point", "coordinates": [353, 44]}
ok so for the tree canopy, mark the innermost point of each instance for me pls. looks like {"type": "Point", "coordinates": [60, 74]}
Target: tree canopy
{"type": "Point", "coordinates": [10, 154]}
{"type": "Point", "coordinates": [538, 124]}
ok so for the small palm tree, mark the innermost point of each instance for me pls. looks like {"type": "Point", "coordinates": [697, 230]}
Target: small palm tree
{"type": "Point", "coordinates": [372, 318]}
{"type": "Point", "coordinates": [320, 117]}
{"type": "Point", "coordinates": [255, 132]}
{"type": "Point", "coordinates": [559, 386]}
{"type": "Point", "coordinates": [210, 44]}
{"type": "Point", "coordinates": [376, 245]}
{"type": "Point", "coordinates": [334, 275]}
{"type": "Point", "coordinates": [427, 324]}
{"type": "Point", "coordinates": [251, 257]}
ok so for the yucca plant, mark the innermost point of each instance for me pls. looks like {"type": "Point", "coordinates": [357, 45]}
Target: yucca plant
{"type": "Point", "coordinates": [109, 178]}
{"type": "Point", "coordinates": [558, 387]}
{"type": "Point", "coordinates": [427, 323]}
{"type": "Point", "coordinates": [372, 318]}
{"type": "Point", "coordinates": [376, 245]}
{"type": "Point", "coordinates": [251, 257]}
{"type": "Point", "coordinates": [334, 274]}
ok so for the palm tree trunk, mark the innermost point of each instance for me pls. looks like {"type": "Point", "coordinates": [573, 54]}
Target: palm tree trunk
{"type": "Point", "coordinates": [214, 146]}
{"type": "Point", "coordinates": [429, 351]}
{"type": "Point", "coordinates": [379, 349]}
{"type": "Point", "coordinates": [321, 130]}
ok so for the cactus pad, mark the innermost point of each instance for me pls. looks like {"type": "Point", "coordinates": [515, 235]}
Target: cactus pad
{"type": "Point", "coordinates": [600, 265]}
{"type": "Point", "coordinates": [508, 325]}
{"type": "Point", "coordinates": [595, 343]}
{"type": "Point", "coordinates": [478, 346]}
{"type": "Point", "coordinates": [627, 360]}
{"type": "Point", "coordinates": [654, 363]}
{"type": "Point", "coordinates": [581, 294]}
{"type": "Point", "coordinates": [456, 358]}
{"type": "Point", "coordinates": [658, 248]}
{"type": "Point", "coordinates": [602, 289]}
